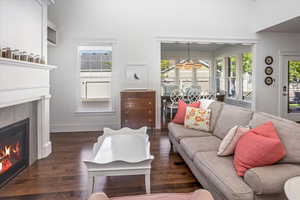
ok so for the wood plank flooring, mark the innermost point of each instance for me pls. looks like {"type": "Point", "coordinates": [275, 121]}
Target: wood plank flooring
{"type": "Point", "coordinates": [62, 176]}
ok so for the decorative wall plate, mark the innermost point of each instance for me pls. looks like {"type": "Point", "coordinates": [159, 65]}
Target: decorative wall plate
{"type": "Point", "coordinates": [269, 60]}
{"type": "Point", "coordinates": [268, 80]}
{"type": "Point", "coordinates": [269, 70]}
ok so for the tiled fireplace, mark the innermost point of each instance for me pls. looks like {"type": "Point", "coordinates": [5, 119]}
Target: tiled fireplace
{"type": "Point", "coordinates": [14, 150]}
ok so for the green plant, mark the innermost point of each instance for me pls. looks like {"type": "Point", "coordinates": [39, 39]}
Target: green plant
{"type": "Point", "coordinates": [294, 71]}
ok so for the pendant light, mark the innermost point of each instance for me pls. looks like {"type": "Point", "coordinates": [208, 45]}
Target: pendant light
{"type": "Point", "coordinates": [188, 64]}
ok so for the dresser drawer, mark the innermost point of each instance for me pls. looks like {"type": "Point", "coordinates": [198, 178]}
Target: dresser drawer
{"type": "Point", "coordinates": [138, 104]}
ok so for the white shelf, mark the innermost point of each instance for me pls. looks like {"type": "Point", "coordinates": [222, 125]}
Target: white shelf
{"type": "Point", "coordinates": [19, 63]}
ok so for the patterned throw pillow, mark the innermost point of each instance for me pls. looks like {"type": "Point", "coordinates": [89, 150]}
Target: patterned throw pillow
{"type": "Point", "coordinates": [197, 118]}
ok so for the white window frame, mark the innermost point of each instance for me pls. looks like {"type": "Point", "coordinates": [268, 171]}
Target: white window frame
{"type": "Point", "coordinates": [95, 43]}
{"type": "Point", "coordinates": [239, 75]}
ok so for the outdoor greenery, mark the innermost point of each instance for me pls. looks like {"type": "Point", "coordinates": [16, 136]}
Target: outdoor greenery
{"type": "Point", "coordinates": [164, 64]}
{"type": "Point", "coordinates": [294, 71]}
{"type": "Point", "coordinates": [247, 63]}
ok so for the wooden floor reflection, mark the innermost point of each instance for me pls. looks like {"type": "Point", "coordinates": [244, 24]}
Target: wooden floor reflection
{"type": "Point", "coordinates": [62, 176]}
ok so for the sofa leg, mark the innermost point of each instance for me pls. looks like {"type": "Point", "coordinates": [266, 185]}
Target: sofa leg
{"type": "Point", "coordinates": [174, 148]}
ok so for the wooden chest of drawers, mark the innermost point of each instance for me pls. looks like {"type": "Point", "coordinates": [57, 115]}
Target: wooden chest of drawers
{"type": "Point", "coordinates": [138, 108]}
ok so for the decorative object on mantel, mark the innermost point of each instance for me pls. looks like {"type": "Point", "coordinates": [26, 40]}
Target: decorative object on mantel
{"type": "Point", "coordinates": [16, 54]}
{"type": "Point", "coordinates": [269, 70]}
{"type": "Point", "coordinates": [136, 76]}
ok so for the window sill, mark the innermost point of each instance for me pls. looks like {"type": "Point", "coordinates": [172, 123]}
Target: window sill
{"type": "Point", "coordinates": [95, 112]}
{"type": "Point", "coordinates": [103, 99]}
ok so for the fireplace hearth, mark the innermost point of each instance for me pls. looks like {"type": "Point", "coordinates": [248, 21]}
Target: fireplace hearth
{"type": "Point", "coordinates": [14, 150]}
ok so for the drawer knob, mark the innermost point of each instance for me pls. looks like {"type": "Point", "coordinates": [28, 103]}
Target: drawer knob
{"type": "Point", "coordinates": [149, 102]}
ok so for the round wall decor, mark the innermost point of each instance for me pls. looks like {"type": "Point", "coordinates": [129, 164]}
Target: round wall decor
{"type": "Point", "coordinates": [269, 60]}
{"type": "Point", "coordinates": [269, 70]}
{"type": "Point", "coordinates": [268, 80]}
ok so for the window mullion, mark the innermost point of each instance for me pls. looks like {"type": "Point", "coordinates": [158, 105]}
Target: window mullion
{"type": "Point", "coordinates": [239, 72]}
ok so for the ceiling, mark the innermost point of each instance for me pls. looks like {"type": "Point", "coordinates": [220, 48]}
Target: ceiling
{"type": "Point", "coordinates": [289, 26]}
{"type": "Point", "coordinates": [193, 47]}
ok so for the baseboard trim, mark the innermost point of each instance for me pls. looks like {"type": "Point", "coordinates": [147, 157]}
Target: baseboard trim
{"type": "Point", "coordinates": [57, 128]}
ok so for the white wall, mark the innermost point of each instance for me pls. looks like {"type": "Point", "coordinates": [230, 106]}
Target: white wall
{"type": "Point", "coordinates": [271, 44]}
{"type": "Point", "coordinates": [270, 12]}
{"type": "Point", "coordinates": [135, 25]}
{"type": "Point", "coordinates": [22, 25]}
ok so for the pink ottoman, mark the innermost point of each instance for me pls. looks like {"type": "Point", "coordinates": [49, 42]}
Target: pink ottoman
{"type": "Point", "coordinates": [197, 195]}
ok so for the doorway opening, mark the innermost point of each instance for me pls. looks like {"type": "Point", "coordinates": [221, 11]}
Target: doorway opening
{"type": "Point", "coordinates": [221, 71]}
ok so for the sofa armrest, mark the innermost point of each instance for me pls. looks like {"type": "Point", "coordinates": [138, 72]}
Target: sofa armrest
{"type": "Point", "coordinates": [99, 196]}
{"type": "Point", "coordinates": [270, 179]}
{"type": "Point", "coordinates": [202, 195]}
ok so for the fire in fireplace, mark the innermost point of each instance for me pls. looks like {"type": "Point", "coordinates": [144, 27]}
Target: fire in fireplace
{"type": "Point", "coordinates": [9, 155]}
{"type": "Point", "coordinates": [14, 150]}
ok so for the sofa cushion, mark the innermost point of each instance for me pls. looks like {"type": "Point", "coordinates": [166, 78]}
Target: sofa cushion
{"type": "Point", "coordinates": [179, 131]}
{"type": "Point", "coordinates": [197, 118]}
{"type": "Point", "coordinates": [231, 116]}
{"type": "Point", "coordinates": [288, 131]}
{"type": "Point", "coordinates": [220, 172]}
{"type": "Point", "coordinates": [215, 108]}
{"type": "Point", "coordinates": [179, 117]}
{"type": "Point", "coordinates": [260, 146]}
{"type": "Point", "coordinates": [229, 142]}
{"type": "Point", "coordinates": [159, 196]}
{"type": "Point", "coordinates": [193, 145]}
{"type": "Point", "coordinates": [270, 179]}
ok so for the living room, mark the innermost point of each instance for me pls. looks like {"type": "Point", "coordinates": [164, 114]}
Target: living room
{"type": "Point", "coordinates": [75, 72]}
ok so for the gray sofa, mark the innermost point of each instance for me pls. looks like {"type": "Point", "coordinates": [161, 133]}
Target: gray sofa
{"type": "Point", "coordinates": [217, 174]}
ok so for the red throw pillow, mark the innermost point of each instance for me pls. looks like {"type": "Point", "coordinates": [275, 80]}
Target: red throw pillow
{"type": "Point", "coordinates": [259, 147]}
{"type": "Point", "coordinates": [180, 115]}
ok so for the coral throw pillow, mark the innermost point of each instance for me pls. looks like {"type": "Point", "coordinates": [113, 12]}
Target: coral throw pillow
{"type": "Point", "coordinates": [260, 146]}
{"type": "Point", "coordinates": [229, 142]}
{"type": "Point", "coordinates": [179, 117]}
{"type": "Point", "coordinates": [197, 118]}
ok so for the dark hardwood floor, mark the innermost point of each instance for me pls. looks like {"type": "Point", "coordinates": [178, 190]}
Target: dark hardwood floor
{"type": "Point", "coordinates": [62, 176]}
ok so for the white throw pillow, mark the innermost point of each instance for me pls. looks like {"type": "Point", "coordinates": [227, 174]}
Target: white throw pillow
{"type": "Point", "coordinates": [204, 103]}
{"type": "Point", "coordinates": [229, 142]}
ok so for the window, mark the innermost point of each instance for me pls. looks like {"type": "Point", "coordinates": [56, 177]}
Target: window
{"type": "Point", "coordinates": [220, 76]}
{"type": "Point", "coordinates": [173, 77]}
{"type": "Point", "coordinates": [238, 72]}
{"type": "Point", "coordinates": [95, 73]}
{"type": "Point", "coordinates": [247, 76]}
{"type": "Point", "coordinates": [232, 74]}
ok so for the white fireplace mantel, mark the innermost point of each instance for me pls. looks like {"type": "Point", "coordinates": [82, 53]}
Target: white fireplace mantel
{"type": "Point", "coordinates": [22, 82]}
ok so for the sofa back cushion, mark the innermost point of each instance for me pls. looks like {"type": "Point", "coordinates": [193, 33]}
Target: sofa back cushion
{"type": "Point", "coordinates": [288, 131]}
{"type": "Point", "coordinates": [215, 108]}
{"type": "Point", "coordinates": [231, 116]}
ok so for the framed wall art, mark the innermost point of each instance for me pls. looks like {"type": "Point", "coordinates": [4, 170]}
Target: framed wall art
{"type": "Point", "coordinates": [136, 76]}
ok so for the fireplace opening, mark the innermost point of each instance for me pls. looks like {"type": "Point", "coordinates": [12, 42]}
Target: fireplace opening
{"type": "Point", "coordinates": [14, 150]}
